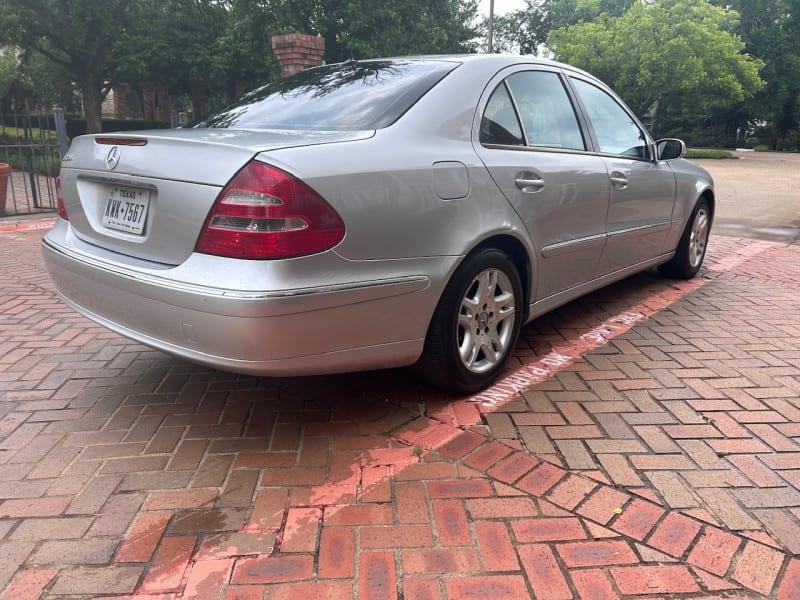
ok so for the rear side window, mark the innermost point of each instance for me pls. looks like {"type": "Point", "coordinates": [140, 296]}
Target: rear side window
{"type": "Point", "coordinates": [533, 108]}
{"type": "Point", "coordinates": [546, 110]}
{"type": "Point", "coordinates": [348, 96]}
{"type": "Point", "coordinates": [499, 124]}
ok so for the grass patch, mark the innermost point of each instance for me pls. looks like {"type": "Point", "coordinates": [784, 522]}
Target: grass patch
{"type": "Point", "coordinates": [44, 161]}
{"type": "Point", "coordinates": [16, 135]}
{"type": "Point", "coordinates": [39, 154]}
{"type": "Point", "coordinates": [709, 154]}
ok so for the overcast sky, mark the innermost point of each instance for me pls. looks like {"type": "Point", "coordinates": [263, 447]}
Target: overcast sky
{"type": "Point", "coordinates": [501, 7]}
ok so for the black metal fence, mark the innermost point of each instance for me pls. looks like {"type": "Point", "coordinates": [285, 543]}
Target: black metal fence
{"type": "Point", "coordinates": [29, 146]}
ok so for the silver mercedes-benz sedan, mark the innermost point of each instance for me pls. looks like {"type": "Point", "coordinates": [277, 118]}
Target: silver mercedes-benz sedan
{"type": "Point", "coordinates": [374, 214]}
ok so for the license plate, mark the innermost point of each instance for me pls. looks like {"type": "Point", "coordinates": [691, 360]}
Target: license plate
{"type": "Point", "coordinates": [126, 209]}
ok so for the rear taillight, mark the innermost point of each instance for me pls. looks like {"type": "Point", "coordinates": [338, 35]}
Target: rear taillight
{"type": "Point", "coordinates": [62, 210]}
{"type": "Point", "coordinates": [267, 213]}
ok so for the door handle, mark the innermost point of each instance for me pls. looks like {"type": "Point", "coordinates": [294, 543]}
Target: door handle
{"type": "Point", "coordinates": [529, 185]}
{"type": "Point", "coordinates": [619, 180]}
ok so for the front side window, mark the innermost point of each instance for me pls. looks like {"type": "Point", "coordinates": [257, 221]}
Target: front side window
{"type": "Point", "coordinates": [616, 131]}
{"type": "Point", "coordinates": [546, 110]}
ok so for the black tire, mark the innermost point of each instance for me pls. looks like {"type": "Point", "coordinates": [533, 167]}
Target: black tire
{"type": "Point", "coordinates": [441, 363]}
{"type": "Point", "coordinates": [692, 246]}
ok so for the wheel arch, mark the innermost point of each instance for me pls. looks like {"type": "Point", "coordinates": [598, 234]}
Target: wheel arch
{"type": "Point", "coordinates": [440, 362]}
{"type": "Point", "coordinates": [518, 254]}
{"type": "Point", "coordinates": [708, 194]}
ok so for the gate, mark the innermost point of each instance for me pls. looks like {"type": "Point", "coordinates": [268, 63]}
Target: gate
{"type": "Point", "coordinates": [29, 146]}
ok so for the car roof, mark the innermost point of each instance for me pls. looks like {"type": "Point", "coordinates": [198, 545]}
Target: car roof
{"type": "Point", "coordinates": [500, 60]}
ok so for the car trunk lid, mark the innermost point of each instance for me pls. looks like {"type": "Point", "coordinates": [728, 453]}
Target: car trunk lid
{"type": "Point", "coordinates": [147, 194]}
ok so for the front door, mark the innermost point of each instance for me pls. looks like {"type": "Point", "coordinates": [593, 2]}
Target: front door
{"type": "Point", "coordinates": [642, 190]}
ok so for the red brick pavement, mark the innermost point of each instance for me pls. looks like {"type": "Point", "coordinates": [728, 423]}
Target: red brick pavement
{"type": "Point", "coordinates": [644, 444]}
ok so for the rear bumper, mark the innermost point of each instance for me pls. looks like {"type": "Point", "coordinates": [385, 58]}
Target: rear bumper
{"type": "Point", "coordinates": [336, 327]}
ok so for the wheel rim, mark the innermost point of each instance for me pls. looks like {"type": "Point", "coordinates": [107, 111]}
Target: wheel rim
{"type": "Point", "coordinates": [698, 238]}
{"type": "Point", "coordinates": [486, 321]}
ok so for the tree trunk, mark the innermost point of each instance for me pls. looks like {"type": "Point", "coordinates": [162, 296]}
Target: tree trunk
{"type": "Point", "coordinates": [655, 122]}
{"type": "Point", "coordinates": [92, 102]}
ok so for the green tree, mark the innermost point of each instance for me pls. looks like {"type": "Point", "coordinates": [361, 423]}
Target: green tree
{"type": "Point", "coordinates": [564, 13]}
{"type": "Point", "coordinates": [373, 28]}
{"type": "Point", "coordinates": [670, 56]}
{"type": "Point", "coordinates": [77, 35]}
{"type": "Point", "coordinates": [525, 31]}
{"type": "Point", "coordinates": [34, 75]}
{"type": "Point", "coordinates": [8, 69]}
{"type": "Point", "coordinates": [244, 50]}
{"type": "Point", "coordinates": [172, 42]}
{"type": "Point", "coordinates": [771, 30]}
{"type": "Point", "coordinates": [99, 43]}
{"type": "Point", "coordinates": [521, 31]}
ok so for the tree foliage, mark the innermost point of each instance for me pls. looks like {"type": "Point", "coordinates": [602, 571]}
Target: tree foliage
{"type": "Point", "coordinates": [522, 31]}
{"type": "Point", "coordinates": [8, 69]}
{"type": "Point", "coordinates": [372, 28]}
{"type": "Point", "coordinates": [170, 41]}
{"type": "Point", "coordinates": [77, 35]}
{"type": "Point", "coordinates": [670, 56]}
{"type": "Point", "coordinates": [103, 42]}
{"type": "Point", "coordinates": [771, 31]}
{"type": "Point", "coordinates": [29, 74]}
{"type": "Point", "coordinates": [564, 13]}
{"type": "Point", "coordinates": [686, 61]}
{"type": "Point", "coordinates": [525, 31]}
{"type": "Point", "coordinates": [244, 50]}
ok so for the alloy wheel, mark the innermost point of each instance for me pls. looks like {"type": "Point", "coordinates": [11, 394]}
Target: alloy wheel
{"type": "Point", "coordinates": [486, 321]}
{"type": "Point", "coordinates": [698, 238]}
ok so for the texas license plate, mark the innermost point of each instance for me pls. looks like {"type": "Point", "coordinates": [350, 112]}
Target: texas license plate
{"type": "Point", "coordinates": [126, 209]}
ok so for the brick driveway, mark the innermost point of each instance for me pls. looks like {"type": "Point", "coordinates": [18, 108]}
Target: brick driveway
{"type": "Point", "coordinates": [645, 443]}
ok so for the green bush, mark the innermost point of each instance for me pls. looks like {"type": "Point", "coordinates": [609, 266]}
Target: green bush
{"type": "Point", "coordinates": [709, 154]}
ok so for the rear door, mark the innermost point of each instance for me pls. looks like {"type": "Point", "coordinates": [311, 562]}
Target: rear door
{"type": "Point", "coordinates": [642, 190]}
{"type": "Point", "coordinates": [531, 141]}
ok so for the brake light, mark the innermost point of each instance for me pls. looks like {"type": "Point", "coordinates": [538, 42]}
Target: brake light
{"type": "Point", "coordinates": [266, 213]}
{"type": "Point", "coordinates": [120, 141]}
{"type": "Point", "coordinates": [62, 210]}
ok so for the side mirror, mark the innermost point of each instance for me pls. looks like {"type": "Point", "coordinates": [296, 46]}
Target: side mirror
{"type": "Point", "coordinates": [670, 149]}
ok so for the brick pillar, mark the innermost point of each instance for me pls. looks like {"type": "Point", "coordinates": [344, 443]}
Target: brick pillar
{"type": "Point", "coordinates": [148, 101]}
{"type": "Point", "coordinates": [298, 51]}
{"type": "Point", "coordinates": [199, 96]}
{"type": "Point", "coordinates": [120, 92]}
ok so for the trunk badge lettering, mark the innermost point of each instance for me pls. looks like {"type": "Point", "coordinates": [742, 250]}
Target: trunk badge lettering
{"type": "Point", "coordinates": [112, 158]}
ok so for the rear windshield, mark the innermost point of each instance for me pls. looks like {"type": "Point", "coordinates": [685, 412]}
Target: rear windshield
{"type": "Point", "coordinates": [347, 96]}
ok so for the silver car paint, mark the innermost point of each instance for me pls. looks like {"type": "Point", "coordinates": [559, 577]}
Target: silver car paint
{"type": "Point", "coordinates": [233, 328]}
{"type": "Point", "coordinates": [639, 214]}
{"type": "Point", "coordinates": [368, 302]}
{"type": "Point", "coordinates": [185, 171]}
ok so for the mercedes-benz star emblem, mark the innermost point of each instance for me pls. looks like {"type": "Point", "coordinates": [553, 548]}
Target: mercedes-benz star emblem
{"type": "Point", "coordinates": [112, 158]}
